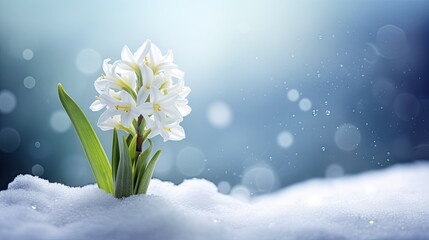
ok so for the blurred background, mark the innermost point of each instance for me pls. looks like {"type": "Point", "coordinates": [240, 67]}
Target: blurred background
{"type": "Point", "coordinates": [282, 91]}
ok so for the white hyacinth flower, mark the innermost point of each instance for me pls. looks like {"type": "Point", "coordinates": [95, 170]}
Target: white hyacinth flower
{"type": "Point", "coordinates": [112, 79]}
{"type": "Point", "coordinates": [144, 87]}
{"type": "Point", "coordinates": [169, 129]}
{"type": "Point", "coordinates": [115, 122]}
{"type": "Point", "coordinates": [132, 61]}
{"type": "Point", "coordinates": [160, 106]}
{"type": "Point", "coordinates": [99, 103]}
{"type": "Point", "coordinates": [125, 106]}
{"type": "Point", "coordinates": [160, 63]}
{"type": "Point", "coordinates": [182, 92]}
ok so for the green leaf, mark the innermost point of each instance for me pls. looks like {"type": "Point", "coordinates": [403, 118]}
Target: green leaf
{"type": "Point", "coordinates": [129, 138]}
{"type": "Point", "coordinates": [115, 154]}
{"type": "Point", "coordinates": [91, 145]}
{"type": "Point", "coordinates": [145, 134]}
{"type": "Point", "coordinates": [141, 165]}
{"type": "Point", "coordinates": [132, 148]}
{"type": "Point", "coordinates": [124, 178]}
{"type": "Point", "coordinates": [139, 170]}
{"type": "Point", "coordinates": [144, 184]}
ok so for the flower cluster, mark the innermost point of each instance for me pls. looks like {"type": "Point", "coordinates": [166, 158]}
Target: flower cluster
{"type": "Point", "coordinates": [144, 86]}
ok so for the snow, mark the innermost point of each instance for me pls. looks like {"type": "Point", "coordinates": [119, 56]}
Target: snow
{"type": "Point", "coordinates": [384, 204]}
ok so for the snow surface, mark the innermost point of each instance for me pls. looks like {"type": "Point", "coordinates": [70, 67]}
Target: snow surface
{"type": "Point", "coordinates": [385, 204]}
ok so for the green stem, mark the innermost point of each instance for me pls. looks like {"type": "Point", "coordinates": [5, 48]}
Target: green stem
{"type": "Point", "coordinates": [129, 90]}
{"type": "Point", "coordinates": [139, 78]}
{"type": "Point", "coordinates": [140, 128]}
{"type": "Point", "coordinates": [129, 130]}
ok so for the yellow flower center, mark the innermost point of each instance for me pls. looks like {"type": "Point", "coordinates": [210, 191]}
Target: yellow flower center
{"type": "Point", "coordinates": [156, 107]}
{"type": "Point", "coordinates": [125, 108]}
{"type": "Point", "coordinates": [150, 65]}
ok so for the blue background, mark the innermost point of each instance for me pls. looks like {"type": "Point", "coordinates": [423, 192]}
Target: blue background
{"type": "Point", "coordinates": [362, 65]}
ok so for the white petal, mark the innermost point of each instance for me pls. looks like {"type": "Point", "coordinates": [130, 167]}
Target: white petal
{"type": "Point", "coordinates": [127, 119]}
{"type": "Point", "coordinates": [107, 114]}
{"type": "Point", "coordinates": [168, 57]}
{"type": "Point", "coordinates": [169, 98]}
{"type": "Point", "coordinates": [130, 78]}
{"type": "Point", "coordinates": [142, 96]}
{"type": "Point", "coordinates": [110, 123]}
{"type": "Point", "coordinates": [147, 75]}
{"type": "Point", "coordinates": [184, 110]}
{"type": "Point", "coordinates": [106, 66]}
{"type": "Point", "coordinates": [126, 54]}
{"type": "Point", "coordinates": [167, 66]}
{"type": "Point", "coordinates": [127, 98]}
{"type": "Point", "coordinates": [177, 133]}
{"type": "Point", "coordinates": [155, 54]}
{"type": "Point", "coordinates": [101, 85]}
{"type": "Point", "coordinates": [105, 126]}
{"type": "Point", "coordinates": [176, 73]}
{"type": "Point", "coordinates": [146, 108]}
{"type": "Point", "coordinates": [108, 100]}
{"type": "Point", "coordinates": [97, 106]}
{"type": "Point", "coordinates": [155, 94]}
{"type": "Point", "coordinates": [184, 92]}
{"type": "Point", "coordinates": [154, 132]}
{"type": "Point", "coordinates": [172, 112]}
{"type": "Point", "coordinates": [165, 136]}
{"type": "Point", "coordinates": [123, 67]}
{"type": "Point", "coordinates": [142, 51]}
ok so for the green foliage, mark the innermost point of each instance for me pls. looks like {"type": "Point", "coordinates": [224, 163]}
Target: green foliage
{"type": "Point", "coordinates": [147, 175]}
{"type": "Point", "coordinates": [133, 176]}
{"type": "Point", "coordinates": [132, 149]}
{"type": "Point", "coordinates": [115, 154]}
{"type": "Point", "coordinates": [131, 170]}
{"type": "Point", "coordinates": [124, 186]}
{"type": "Point", "coordinates": [91, 145]}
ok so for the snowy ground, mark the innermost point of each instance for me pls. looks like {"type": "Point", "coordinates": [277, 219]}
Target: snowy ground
{"type": "Point", "coordinates": [387, 204]}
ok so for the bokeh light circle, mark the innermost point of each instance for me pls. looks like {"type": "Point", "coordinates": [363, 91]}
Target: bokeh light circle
{"type": "Point", "coordinates": [219, 114]}
{"type": "Point", "coordinates": [285, 139]}
{"type": "Point", "coordinates": [37, 170]}
{"type": "Point", "coordinates": [7, 101]}
{"type": "Point", "coordinates": [27, 54]}
{"type": "Point", "coordinates": [347, 137]}
{"type": "Point", "coordinates": [293, 95]}
{"type": "Point", "coordinates": [224, 187]}
{"type": "Point", "coordinates": [240, 192]}
{"type": "Point", "coordinates": [371, 53]}
{"type": "Point", "coordinates": [9, 140]}
{"type": "Point", "coordinates": [305, 104]}
{"type": "Point", "coordinates": [391, 41]}
{"type": "Point", "coordinates": [88, 61]}
{"type": "Point", "coordinates": [29, 82]}
{"type": "Point", "coordinates": [406, 106]}
{"type": "Point", "coordinates": [59, 121]}
{"type": "Point", "coordinates": [191, 161]}
{"type": "Point", "coordinates": [334, 170]}
{"type": "Point", "coordinates": [259, 179]}
{"type": "Point", "coordinates": [40, 149]}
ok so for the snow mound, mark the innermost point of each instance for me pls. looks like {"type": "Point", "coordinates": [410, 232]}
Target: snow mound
{"type": "Point", "coordinates": [387, 204]}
